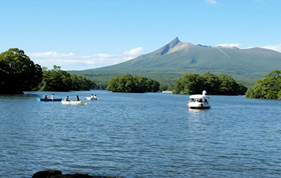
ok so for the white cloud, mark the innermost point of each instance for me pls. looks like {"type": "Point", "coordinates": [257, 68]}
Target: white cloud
{"type": "Point", "coordinates": [273, 47]}
{"type": "Point", "coordinates": [211, 1]}
{"type": "Point", "coordinates": [70, 61]}
{"type": "Point", "coordinates": [134, 52]}
{"type": "Point", "coordinates": [53, 54]}
{"type": "Point", "coordinates": [229, 45]}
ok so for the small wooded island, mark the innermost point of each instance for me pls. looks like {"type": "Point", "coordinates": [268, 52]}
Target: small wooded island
{"type": "Point", "coordinates": [215, 85]}
{"type": "Point", "coordinates": [129, 84]}
{"type": "Point", "coordinates": [268, 87]}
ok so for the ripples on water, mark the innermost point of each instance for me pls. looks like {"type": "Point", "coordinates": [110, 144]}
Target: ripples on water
{"type": "Point", "coordinates": [140, 135]}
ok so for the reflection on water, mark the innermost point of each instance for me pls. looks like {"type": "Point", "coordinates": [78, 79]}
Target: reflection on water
{"type": "Point", "coordinates": [197, 113]}
{"type": "Point", "coordinates": [140, 135]}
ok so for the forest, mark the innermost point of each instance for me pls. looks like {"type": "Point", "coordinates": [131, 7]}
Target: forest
{"type": "Point", "coordinates": [191, 83]}
{"type": "Point", "coordinates": [132, 84]}
{"type": "Point", "coordinates": [60, 80]}
{"type": "Point", "coordinates": [268, 87]}
{"type": "Point", "coordinates": [18, 73]}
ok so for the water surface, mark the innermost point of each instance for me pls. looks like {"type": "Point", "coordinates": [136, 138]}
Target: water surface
{"type": "Point", "coordinates": [140, 135]}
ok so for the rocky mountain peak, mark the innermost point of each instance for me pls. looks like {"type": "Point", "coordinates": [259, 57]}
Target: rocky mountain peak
{"type": "Point", "coordinates": [164, 50]}
{"type": "Point", "coordinates": [174, 42]}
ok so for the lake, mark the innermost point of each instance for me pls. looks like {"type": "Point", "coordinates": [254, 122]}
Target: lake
{"type": "Point", "coordinates": [140, 135]}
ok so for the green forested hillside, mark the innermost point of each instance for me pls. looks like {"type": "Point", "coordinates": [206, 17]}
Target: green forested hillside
{"type": "Point", "coordinates": [170, 62]}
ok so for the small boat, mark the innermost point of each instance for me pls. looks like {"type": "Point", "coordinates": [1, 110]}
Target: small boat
{"type": "Point", "coordinates": [49, 99]}
{"type": "Point", "coordinates": [74, 102]}
{"type": "Point", "coordinates": [199, 101]}
{"type": "Point", "coordinates": [91, 98]}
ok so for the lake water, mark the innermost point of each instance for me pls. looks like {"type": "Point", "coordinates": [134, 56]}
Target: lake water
{"type": "Point", "coordinates": [140, 135]}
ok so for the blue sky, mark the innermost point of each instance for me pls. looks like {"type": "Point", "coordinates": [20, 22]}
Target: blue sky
{"type": "Point", "coordinates": [90, 33]}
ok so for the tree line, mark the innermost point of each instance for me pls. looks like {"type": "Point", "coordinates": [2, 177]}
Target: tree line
{"type": "Point", "coordinates": [191, 83]}
{"type": "Point", "coordinates": [268, 87]}
{"type": "Point", "coordinates": [59, 80]}
{"type": "Point", "coordinates": [136, 84]}
{"type": "Point", "coordinates": [18, 73]}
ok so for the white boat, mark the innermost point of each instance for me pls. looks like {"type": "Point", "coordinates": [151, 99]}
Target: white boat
{"type": "Point", "coordinates": [74, 102]}
{"type": "Point", "coordinates": [199, 101]}
{"type": "Point", "coordinates": [91, 98]}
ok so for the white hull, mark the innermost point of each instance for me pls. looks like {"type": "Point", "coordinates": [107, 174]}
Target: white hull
{"type": "Point", "coordinates": [74, 102]}
{"type": "Point", "coordinates": [90, 98]}
{"type": "Point", "coordinates": [199, 101]}
{"type": "Point", "coordinates": [198, 105]}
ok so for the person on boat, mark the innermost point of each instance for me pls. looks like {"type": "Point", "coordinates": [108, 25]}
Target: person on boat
{"type": "Point", "coordinates": [67, 98]}
{"type": "Point", "coordinates": [206, 101]}
{"type": "Point", "coordinates": [92, 96]}
{"type": "Point", "coordinates": [46, 96]}
{"type": "Point", "coordinates": [77, 98]}
{"type": "Point", "coordinates": [52, 97]}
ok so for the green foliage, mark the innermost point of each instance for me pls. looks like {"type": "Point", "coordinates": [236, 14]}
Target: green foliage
{"type": "Point", "coordinates": [189, 84]}
{"type": "Point", "coordinates": [59, 80]}
{"type": "Point", "coordinates": [212, 83]}
{"type": "Point", "coordinates": [170, 87]}
{"type": "Point", "coordinates": [79, 82]}
{"type": "Point", "coordinates": [267, 88]}
{"type": "Point", "coordinates": [215, 85]}
{"type": "Point", "coordinates": [17, 72]}
{"type": "Point", "coordinates": [55, 80]}
{"type": "Point", "coordinates": [129, 84]}
{"type": "Point", "coordinates": [228, 85]}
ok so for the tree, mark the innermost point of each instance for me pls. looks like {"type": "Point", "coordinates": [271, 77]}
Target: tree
{"type": "Point", "coordinates": [59, 80]}
{"type": "Point", "coordinates": [17, 72]}
{"type": "Point", "coordinates": [267, 88]}
{"type": "Point", "coordinates": [216, 85]}
{"type": "Point", "coordinates": [190, 84]}
{"type": "Point", "coordinates": [79, 82]}
{"type": "Point", "coordinates": [228, 85]}
{"type": "Point", "coordinates": [56, 80]}
{"type": "Point", "coordinates": [212, 83]}
{"type": "Point", "coordinates": [113, 84]}
{"type": "Point", "coordinates": [128, 83]}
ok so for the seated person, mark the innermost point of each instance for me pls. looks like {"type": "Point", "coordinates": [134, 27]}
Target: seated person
{"type": "Point", "coordinates": [67, 98]}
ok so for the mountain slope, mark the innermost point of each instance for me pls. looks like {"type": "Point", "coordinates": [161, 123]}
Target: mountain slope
{"type": "Point", "coordinates": [168, 63]}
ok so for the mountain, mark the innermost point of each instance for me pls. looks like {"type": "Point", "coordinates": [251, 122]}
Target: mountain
{"type": "Point", "coordinates": [168, 63]}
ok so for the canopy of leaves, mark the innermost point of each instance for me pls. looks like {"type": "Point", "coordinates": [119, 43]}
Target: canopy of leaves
{"type": "Point", "coordinates": [215, 85]}
{"type": "Point", "coordinates": [17, 72]}
{"type": "Point", "coordinates": [268, 87]}
{"type": "Point", "coordinates": [59, 80]}
{"type": "Point", "coordinates": [128, 83]}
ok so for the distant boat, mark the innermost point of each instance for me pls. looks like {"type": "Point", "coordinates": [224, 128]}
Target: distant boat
{"type": "Point", "coordinates": [92, 98]}
{"type": "Point", "coordinates": [74, 102]}
{"type": "Point", "coordinates": [49, 99]}
{"type": "Point", "coordinates": [199, 101]}
{"type": "Point", "coordinates": [167, 91]}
